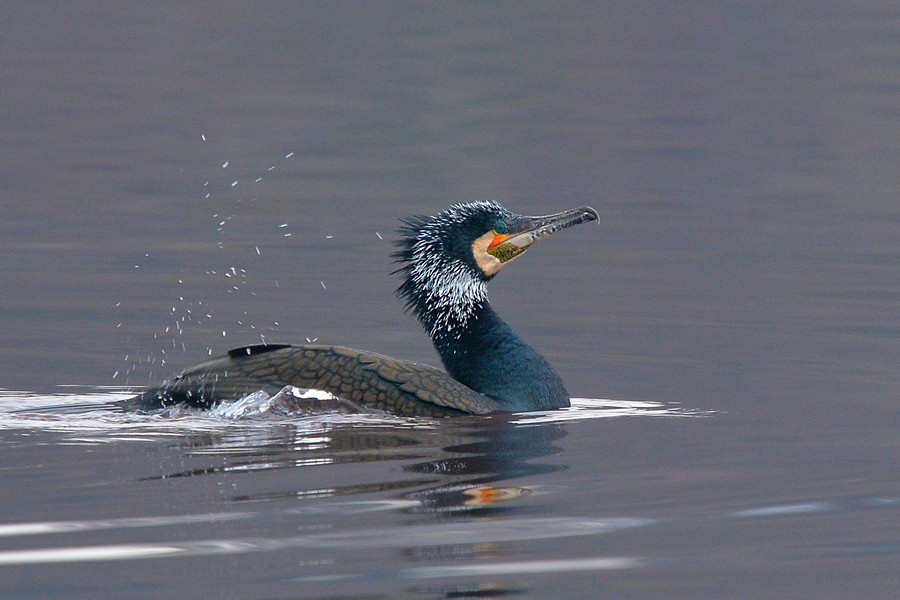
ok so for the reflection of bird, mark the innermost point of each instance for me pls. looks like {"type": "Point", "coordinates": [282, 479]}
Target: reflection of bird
{"type": "Point", "coordinates": [446, 262]}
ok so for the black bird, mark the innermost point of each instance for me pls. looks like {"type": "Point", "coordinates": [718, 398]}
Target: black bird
{"type": "Point", "coordinates": [446, 261]}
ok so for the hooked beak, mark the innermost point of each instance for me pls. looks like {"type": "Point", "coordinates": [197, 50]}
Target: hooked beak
{"type": "Point", "coordinates": [523, 233]}
{"type": "Point", "coordinates": [536, 228]}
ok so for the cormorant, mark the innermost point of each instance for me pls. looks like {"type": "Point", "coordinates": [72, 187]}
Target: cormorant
{"type": "Point", "coordinates": [446, 261]}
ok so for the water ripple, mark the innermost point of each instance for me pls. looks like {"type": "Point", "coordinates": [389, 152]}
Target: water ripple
{"type": "Point", "coordinates": [594, 408]}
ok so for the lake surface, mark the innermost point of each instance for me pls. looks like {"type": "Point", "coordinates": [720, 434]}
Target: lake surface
{"type": "Point", "coordinates": [179, 180]}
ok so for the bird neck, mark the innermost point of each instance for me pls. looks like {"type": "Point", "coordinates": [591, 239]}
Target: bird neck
{"type": "Point", "coordinates": [482, 352]}
{"type": "Point", "coordinates": [477, 347]}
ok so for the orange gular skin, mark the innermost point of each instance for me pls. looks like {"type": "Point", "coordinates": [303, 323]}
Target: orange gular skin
{"type": "Point", "coordinates": [499, 238]}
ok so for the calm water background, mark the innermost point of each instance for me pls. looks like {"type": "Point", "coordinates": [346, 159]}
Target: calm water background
{"type": "Point", "coordinates": [177, 180]}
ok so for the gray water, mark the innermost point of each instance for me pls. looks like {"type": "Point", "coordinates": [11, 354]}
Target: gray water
{"type": "Point", "coordinates": [178, 180]}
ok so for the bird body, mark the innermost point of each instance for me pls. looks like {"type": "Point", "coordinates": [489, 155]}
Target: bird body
{"type": "Point", "coordinates": [446, 261]}
{"type": "Point", "coordinates": [364, 378]}
{"type": "Point", "coordinates": [490, 357]}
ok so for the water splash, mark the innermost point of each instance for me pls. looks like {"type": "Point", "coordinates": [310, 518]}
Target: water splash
{"type": "Point", "coordinates": [94, 417]}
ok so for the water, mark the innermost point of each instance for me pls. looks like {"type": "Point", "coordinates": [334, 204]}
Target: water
{"type": "Point", "coordinates": [177, 181]}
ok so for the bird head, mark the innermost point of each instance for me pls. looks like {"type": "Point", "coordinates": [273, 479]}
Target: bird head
{"type": "Point", "coordinates": [447, 258]}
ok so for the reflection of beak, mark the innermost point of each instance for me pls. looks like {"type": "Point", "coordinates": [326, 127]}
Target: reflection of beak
{"type": "Point", "coordinates": [528, 230]}
{"type": "Point", "coordinates": [480, 496]}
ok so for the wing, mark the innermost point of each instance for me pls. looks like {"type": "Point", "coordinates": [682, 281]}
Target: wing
{"type": "Point", "coordinates": [365, 378]}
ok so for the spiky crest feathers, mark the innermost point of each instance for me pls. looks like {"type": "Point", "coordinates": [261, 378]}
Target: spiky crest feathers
{"type": "Point", "coordinates": [441, 283]}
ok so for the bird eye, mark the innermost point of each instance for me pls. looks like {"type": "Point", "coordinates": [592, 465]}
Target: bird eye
{"type": "Point", "coordinates": [501, 227]}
